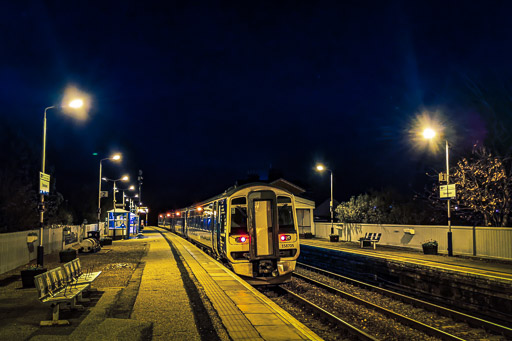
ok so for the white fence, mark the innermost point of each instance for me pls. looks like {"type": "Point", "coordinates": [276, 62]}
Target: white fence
{"type": "Point", "coordinates": [16, 251]}
{"type": "Point", "coordinates": [492, 242]}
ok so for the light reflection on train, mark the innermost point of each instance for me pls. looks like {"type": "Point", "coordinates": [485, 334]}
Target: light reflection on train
{"type": "Point", "coordinates": [252, 228]}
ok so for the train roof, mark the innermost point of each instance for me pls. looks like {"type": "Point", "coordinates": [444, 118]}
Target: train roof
{"type": "Point", "coordinates": [232, 190]}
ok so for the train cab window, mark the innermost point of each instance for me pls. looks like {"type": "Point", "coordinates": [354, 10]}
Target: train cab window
{"type": "Point", "coordinates": [285, 215]}
{"type": "Point", "coordinates": [284, 200]}
{"type": "Point", "coordinates": [238, 216]}
{"type": "Point", "coordinates": [239, 201]}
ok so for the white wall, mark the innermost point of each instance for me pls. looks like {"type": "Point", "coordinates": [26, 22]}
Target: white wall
{"type": "Point", "coordinates": [494, 242]}
{"type": "Point", "coordinates": [15, 251]}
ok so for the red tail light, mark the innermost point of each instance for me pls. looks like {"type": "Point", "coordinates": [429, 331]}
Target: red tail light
{"type": "Point", "coordinates": [285, 237]}
{"type": "Point", "coordinates": [242, 239]}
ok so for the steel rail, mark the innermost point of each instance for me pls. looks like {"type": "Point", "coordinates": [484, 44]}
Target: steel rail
{"type": "Point", "coordinates": [400, 318]}
{"type": "Point", "coordinates": [456, 315]}
{"type": "Point", "coordinates": [328, 316]}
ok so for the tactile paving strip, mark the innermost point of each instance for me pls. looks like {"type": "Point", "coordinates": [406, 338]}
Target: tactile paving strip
{"type": "Point", "coordinates": [248, 308]}
{"type": "Point", "coordinates": [237, 325]}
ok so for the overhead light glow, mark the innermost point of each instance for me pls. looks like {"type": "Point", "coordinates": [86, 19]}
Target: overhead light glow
{"type": "Point", "coordinates": [76, 103]}
{"type": "Point", "coordinates": [429, 133]}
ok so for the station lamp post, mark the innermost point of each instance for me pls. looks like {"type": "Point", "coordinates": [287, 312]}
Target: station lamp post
{"type": "Point", "coordinates": [320, 168]}
{"type": "Point", "coordinates": [115, 157]}
{"type": "Point", "coordinates": [124, 178]}
{"type": "Point", "coordinates": [74, 104]}
{"type": "Point", "coordinates": [429, 134]}
{"type": "Point", "coordinates": [125, 197]}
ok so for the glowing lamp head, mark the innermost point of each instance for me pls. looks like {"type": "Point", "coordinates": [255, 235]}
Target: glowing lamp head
{"type": "Point", "coordinates": [116, 157]}
{"type": "Point", "coordinates": [168, 214]}
{"type": "Point", "coordinates": [125, 178]}
{"type": "Point", "coordinates": [161, 215]}
{"type": "Point", "coordinates": [429, 133]}
{"type": "Point", "coordinates": [199, 208]}
{"type": "Point", "coordinates": [320, 167]}
{"type": "Point", "coordinates": [131, 188]}
{"type": "Point", "coordinates": [178, 214]}
{"type": "Point", "coordinates": [76, 103]}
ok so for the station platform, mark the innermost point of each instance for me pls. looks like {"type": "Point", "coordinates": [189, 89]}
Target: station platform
{"type": "Point", "coordinates": [493, 269]}
{"type": "Point", "coordinates": [242, 312]}
{"type": "Point", "coordinates": [476, 285]}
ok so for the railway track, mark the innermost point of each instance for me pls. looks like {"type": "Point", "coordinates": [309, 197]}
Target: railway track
{"type": "Point", "coordinates": [452, 325]}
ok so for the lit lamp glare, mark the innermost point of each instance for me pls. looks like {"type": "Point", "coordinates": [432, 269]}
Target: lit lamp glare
{"type": "Point", "coordinates": [125, 178]}
{"type": "Point", "coordinates": [76, 103]}
{"type": "Point", "coordinates": [429, 133]}
{"type": "Point", "coordinates": [320, 167]}
{"type": "Point", "coordinates": [116, 157]}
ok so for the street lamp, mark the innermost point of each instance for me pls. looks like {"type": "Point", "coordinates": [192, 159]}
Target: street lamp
{"type": "Point", "coordinates": [131, 188]}
{"type": "Point", "coordinates": [320, 168]}
{"type": "Point", "coordinates": [115, 157]}
{"type": "Point", "coordinates": [429, 134]}
{"type": "Point", "coordinates": [73, 104]}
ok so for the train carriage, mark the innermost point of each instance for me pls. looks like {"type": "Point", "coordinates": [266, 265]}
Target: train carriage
{"type": "Point", "coordinates": [252, 227]}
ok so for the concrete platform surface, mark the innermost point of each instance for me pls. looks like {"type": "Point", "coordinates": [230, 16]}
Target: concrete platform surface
{"type": "Point", "coordinates": [490, 268]}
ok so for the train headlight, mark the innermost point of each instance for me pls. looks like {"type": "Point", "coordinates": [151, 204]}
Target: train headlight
{"type": "Point", "coordinates": [242, 239]}
{"type": "Point", "coordinates": [285, 237]}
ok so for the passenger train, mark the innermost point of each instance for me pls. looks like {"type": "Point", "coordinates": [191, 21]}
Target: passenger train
{"type": "Point", "coordinates": [252, 228]}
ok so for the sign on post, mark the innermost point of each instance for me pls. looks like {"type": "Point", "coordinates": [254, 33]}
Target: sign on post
{"type": "Point", "coordinates": [447, 192]}
{"type": "Point", "coordinates": [104, 194]}
{"type": "Point", "coordinates": [44, 183]}
{"type": "Point", "coordinates": [442, 177]}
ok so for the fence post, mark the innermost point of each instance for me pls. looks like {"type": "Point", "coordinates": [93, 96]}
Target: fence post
{"type": "Point", "coordinates": [474, 239]}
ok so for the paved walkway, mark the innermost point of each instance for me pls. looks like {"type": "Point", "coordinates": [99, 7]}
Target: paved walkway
{"type": "Point", "coordinates": [162, 298]}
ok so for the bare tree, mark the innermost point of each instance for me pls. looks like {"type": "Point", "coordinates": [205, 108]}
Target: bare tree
{"type": "Point", "coordinates": [484, 185]}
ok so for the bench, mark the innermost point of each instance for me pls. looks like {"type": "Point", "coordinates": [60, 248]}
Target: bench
{"type": "Point", "coordinates": [54, 289]}
{"type": "Point", "coordinates": [74, 273]}
{"type": "Point", "coordinates": [370, 239]}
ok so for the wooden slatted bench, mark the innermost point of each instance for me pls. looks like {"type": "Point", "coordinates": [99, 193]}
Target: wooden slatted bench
{"type": "Point", "coordinates": [370, 239]}
{"type": "Point", "coordinates": [74, 273]}
{"type": "Point", "coordinates": [54, 289]}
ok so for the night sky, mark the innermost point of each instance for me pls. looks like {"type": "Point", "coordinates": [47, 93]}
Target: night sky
{"type": "Point", "coordinates": [201, 94]}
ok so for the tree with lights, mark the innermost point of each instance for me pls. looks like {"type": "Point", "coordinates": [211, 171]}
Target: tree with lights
{"type": "Point", "coordinates": [484, 185]}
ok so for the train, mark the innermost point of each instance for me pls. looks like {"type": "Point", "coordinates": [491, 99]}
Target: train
{"type": "Point", "coordinates": [251, 228]}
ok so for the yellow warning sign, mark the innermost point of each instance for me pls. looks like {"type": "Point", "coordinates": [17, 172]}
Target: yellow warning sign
{"type": "Point", "coordinates": [44, 183]}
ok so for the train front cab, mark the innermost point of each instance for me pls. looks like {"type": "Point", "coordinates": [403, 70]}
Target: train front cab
{"type": "Point", "coordinates": [263, 243]}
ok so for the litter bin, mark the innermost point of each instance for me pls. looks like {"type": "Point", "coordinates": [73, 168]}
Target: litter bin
{"type": "Point", "coordinates": [94, 234]}
{"type": "Point", "coordinates": [67, 255]}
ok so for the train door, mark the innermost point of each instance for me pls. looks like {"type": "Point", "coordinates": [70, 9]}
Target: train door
{"type": "Point", "coordinates": [215, 231]}
{"type": "Point", "coordinates": [263, 226]}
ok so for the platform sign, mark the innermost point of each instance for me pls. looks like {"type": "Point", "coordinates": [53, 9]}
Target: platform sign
{"type": "Point", "coordinates": [44, 183]}
{"type": "Point", "coordinates": [104, 194]}
{"type": "Point", "coordinates": [447, 192]}
{"type": "Point", "coordinates": [442, 177]}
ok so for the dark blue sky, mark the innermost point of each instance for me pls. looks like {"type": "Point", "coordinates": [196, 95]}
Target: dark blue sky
{"type": "Point", "coordinates": [199, 94]}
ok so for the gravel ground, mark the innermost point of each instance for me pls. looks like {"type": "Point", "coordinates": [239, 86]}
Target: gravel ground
{"type": "Point", "coordinates": [433, 319]}
{"type": "Point", "coordinates": [370, 321]}
{"type": "Point", "coordinates": [21, 311]}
